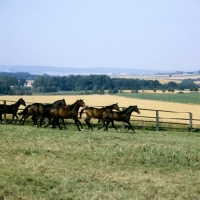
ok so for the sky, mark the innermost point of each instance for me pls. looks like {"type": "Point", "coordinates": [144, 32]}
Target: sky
{"type": "Point", "coordinates": [137, 34]}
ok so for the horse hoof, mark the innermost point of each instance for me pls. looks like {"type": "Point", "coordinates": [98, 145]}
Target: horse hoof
{"type": "Point", "coordinates": [82, 129]}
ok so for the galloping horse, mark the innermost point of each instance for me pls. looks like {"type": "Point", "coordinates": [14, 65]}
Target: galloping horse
{"type": "Point", "coordinates": [124, 116]}
{"type": "Point", "coordinates": [36, 109]}
{"type": "Point", "coordinates": [99, 113]}
{"type": "Point", "coordinates": [11, 109]}
{"type": "Point", "coordinates": [69, 112]}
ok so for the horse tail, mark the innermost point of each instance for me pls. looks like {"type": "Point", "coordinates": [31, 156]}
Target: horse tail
{"type": "Point", "coordinates": [81, 112]}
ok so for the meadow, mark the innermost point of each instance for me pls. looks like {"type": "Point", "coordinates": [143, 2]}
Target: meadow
{"type": "Point", "coordinates": [39, 163]}
{"type": "Point", "coordinates": [48, 163]}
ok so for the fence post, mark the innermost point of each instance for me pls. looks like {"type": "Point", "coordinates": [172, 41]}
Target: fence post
{"type": "Point", "coordinates": [157, 120]}
{"type": "Point", "coordinates": [190, 121]}
{"type": "Point", "coordinates": [4, 115]}
{"type": "Point", "coordinates": [123, 124]}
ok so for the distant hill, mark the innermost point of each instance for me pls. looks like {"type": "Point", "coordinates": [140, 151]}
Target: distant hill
{"type": "Point", "coordinates": [63, 71]}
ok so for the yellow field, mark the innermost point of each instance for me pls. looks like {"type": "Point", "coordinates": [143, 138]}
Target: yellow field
{"type": "Point", "coordinates": [163, 79]}
{"type": "Point", "coordinates": [104, 100]}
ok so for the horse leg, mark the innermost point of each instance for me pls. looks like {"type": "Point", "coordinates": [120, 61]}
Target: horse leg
{"type": "Point", "coordinates": [130, 126]}
{"type": "Point", "coordinates": [1, 118]}
{"type": "Point", "coordinates": [16, 117]}
{"type": "Point", "coordinates": [41, 120]}
{"type": "Point", "coordinates": [107, 123]}
{"type": "Point", "coordinates": [76, 122]}
{"type": "Point", "coordinates": [57, 122]}
{"type": "Point", "coordinates": [13, 119]}
{"type": "Point", "coordinates": [104, 124]}
{"type": "Point", "coordinates": [24, 118]}
{"type": "Point", "coordinates": [113, 125]}
{"type": "Point", "coordinates": [87, 121]}
{"type": "Point", "coordinates": [80, 124]}
{"type": "Point", "coordinates": [50, 123]}
{"type": "Point", "coordinates": [63, 121]}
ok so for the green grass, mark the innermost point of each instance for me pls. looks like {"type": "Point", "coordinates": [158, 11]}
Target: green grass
{"type": "Point", "coordinates": [41, 163]}
{"type": "Point", "coordinates": [189, 97]}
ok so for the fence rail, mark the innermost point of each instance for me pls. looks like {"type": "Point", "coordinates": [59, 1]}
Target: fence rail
{"type": "Point", "coordinates": [154, 119]}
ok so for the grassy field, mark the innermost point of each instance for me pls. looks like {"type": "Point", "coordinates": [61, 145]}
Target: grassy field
{"type": "Point", "coordinates": [183, 97]}
{"type": "Point", "coordinates": [41, 163]}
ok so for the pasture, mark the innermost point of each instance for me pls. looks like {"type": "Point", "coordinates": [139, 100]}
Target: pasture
{"type": "Point", "coordinates": [41, 163]}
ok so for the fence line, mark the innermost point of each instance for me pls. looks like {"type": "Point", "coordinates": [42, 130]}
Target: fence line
{"type": "Point", "coordinates": [155, 119]}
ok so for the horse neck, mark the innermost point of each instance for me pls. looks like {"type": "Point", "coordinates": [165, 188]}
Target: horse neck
{"type": "Point", "coordinates": [109, 108]}
{"type": "Point", "coordinates": [76, 107]}
{"type": "Point", "coordinates": [128, 110]}
{"type": "Point", "coordinates": [18, 103]}
{"type": "Point", "coordinates": [73, 105]}
{"type": "Point", "coordinates": [57, 103]}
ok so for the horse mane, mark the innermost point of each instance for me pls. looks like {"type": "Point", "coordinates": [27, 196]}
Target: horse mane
{"type": "Point", "coordinates": [72, 105]}
{"type": "Point", "coordinates": [128, 109]}
{"type": "Point", "coordinates": [57, 101]}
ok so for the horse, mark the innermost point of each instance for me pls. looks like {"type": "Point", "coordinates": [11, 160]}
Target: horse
{"type": "Point", "coordinates": [98, 113]}
{"type": "Point", "coordinates": [36, 109]}
{"type": "Point", "coordinates": [68, 112]}
{"type": "Point", "coordinates": [11, 109]}
{"type": "Point", "coordinates": [124, 116]}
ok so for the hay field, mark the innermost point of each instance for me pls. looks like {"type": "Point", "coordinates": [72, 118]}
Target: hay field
{"type": "Point", "coordinates": [104, 100]}
{"type": "Point", "coordinates": [163, 79]}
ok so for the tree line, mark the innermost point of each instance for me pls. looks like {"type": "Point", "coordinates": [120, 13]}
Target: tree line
{"type": "Point", "coordinates": [95, 84]}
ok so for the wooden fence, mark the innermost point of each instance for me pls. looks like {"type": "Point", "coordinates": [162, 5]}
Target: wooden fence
{"type": "Point", "coordinates": [154, 119]}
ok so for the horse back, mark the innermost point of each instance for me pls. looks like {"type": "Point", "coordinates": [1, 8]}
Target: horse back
{"type": "Point", "coordinates": [9, 109]}
{"type": "Point", "coordinates": [94, 112]}
{"type": "Point", "coordinates": [118, 116]}
{"type": "Point", "coordinates": [65, 112]}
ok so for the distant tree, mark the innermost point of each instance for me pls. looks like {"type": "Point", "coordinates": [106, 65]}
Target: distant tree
{"type": "Point", "coordinates": [115, 90]}
{"type": "Point", "coordinates": [95, 90]}
{"type": "Point", "coordinates": [110, 91]}
{"type": "Point", "coordinates": [136, 91]}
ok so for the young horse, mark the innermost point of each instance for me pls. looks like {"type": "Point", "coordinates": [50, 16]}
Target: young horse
{"type": "Point", "coordinates": [36, 109]}
{"type": "Point", "coordinates": [11, 109]}
{"type": "Point", "coordinates": [124, 116]}
{"type": "Point", "coordinates": [69, 112]}
{"type": "Point", "coordinates": [99, 113]}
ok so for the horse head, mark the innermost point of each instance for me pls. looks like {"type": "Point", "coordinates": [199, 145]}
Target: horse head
{"type": "Point", "coordinates": [63, 103]}
{"type": "Point", "coordinates": [81, 103]}
{"type": "Point", "coordinates": [22, 102]}
{"type": "Point", "coordinates": [115, 106]}
{"type": "Point", "coordinates": [135, 108]}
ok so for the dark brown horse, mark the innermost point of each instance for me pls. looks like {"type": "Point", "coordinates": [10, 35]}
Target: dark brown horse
{"type": "Point", "coordinates": [68, 112]}
{"type": "Point", "coordinates": [36, 110]}
{"type": "Point", "coordinates": [123, 116]}
{"type": "Point", "coordinates": [98, 113]}
{"type": "Point", "coordinates": [11, 109]}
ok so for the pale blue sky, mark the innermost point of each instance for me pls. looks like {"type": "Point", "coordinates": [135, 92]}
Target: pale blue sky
{"type": "Point", "coordinates": [140, 34]}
